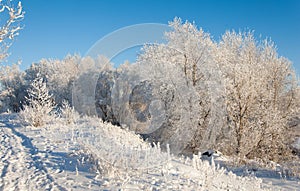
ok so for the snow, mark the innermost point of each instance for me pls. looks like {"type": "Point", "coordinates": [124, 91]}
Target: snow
{"type": "Point", "coordinates": [92, 155]}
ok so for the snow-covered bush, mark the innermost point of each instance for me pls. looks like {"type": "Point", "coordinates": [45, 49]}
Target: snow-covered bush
{"type": "Point", "coordinates": [68, 113]}
{"type": "Point", "coordinates": [40, 104]}
{"type": "Point", "coordinates": [113, 149]}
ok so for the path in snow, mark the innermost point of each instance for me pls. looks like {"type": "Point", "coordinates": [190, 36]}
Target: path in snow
{"type": "Point", "coordinates": [20, 168]}
{"type": "Point", "coordinates": [31, 159]}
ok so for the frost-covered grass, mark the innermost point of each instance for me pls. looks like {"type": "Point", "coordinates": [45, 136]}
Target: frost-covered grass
{"type": "Point", "coordinates": [91, 155]}
{"type": "Point", "coordinates": [125, 161]}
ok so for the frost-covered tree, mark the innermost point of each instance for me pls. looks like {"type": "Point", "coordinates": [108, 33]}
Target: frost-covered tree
{"type": "Point", "coordinates": [257, 89]}
{"type": "Point", "coordinates": [70, 78]}
{"type": "Point", "coordinates": [59, 75]}
{"type": "Point", "coordinates": [10, 25]}
{"type": "Point", "coordinates": [187, 47]}
{"type": "Point", "coordinates": [261, 90]}
{"type": "Point", "coordinates": [192, 50]}
{"type": "Point", "coordinates": [13, 88]}
{"type": "Point", "coordinates": [10, 77]}
{"type": "Point", "coordinates": [84, 86]}
{"type": "Point", "coordinates": [40, 104]}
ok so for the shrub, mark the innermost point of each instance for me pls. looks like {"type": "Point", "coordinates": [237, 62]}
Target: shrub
{"type": "Point", "coordinates": [40, 104]}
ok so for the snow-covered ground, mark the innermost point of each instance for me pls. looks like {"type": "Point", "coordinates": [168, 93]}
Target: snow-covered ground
{"type": "Point", "coordinates": [91, 155]}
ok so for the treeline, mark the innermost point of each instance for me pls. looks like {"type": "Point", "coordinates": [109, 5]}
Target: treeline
{"type": "Point", "coordinates": [236, 95]}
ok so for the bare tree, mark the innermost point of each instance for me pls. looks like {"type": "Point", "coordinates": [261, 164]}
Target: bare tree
{"type": "Point", "coordinates": [11, 26]}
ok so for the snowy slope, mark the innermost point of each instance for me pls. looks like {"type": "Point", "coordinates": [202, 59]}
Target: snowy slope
{"type": "Point", "coordinates": [91, 155]}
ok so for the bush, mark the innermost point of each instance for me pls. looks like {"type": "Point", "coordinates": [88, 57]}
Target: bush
{"type": "Point", "coordinates": [68, 113]}
{"type": "Point", "coordinates": [40, 105]}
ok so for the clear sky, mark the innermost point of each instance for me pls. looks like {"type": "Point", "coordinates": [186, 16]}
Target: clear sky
{"type": "Point", "coordinates": [52, 29]}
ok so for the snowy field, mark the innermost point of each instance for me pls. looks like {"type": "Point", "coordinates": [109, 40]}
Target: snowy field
{"type": "Point", "coordinates": [91, 155]}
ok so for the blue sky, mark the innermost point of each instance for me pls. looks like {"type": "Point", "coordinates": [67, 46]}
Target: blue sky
{"type": "Point", "coordinates": [52, 29]}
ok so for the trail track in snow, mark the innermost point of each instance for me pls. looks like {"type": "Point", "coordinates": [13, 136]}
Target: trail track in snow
{"type": "Point", "coordinates": [21, 167]}
{"type": "Point", "coordinates": [31, 160]}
